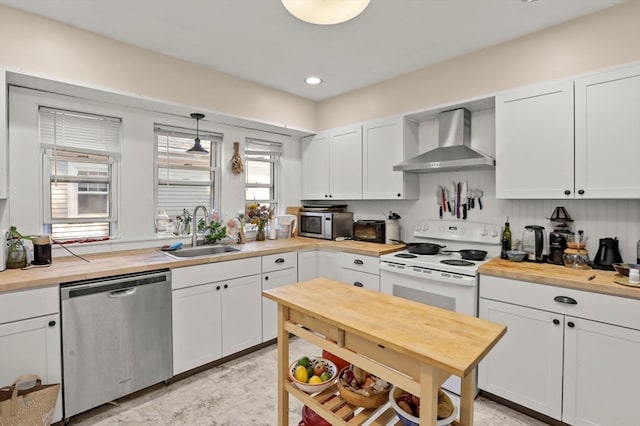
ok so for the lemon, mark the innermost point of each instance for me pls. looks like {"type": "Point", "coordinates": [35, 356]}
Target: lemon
{"type": "Point", "coordinates": [304, 361]}
{"type": "Point", "coordinates": [315, 380]}
{"type": "Point", "coordinates": [301, 374]}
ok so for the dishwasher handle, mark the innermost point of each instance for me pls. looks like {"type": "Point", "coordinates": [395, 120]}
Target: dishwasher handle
{"type": "Point", "coordinates": [122, 293]}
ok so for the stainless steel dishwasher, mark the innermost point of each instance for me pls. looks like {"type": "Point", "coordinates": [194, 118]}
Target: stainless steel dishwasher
{"type": "Point", "coordinates": [116, 337]}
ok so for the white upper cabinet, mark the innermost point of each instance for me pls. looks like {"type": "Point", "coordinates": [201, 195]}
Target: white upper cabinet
{"type": "Point", "coordinates": [534, 142]}
{"type": "Point", "coordinates": [3, 134]}
{"type": "Point", "coordinates": [540, 155]}
{"type": "Point", "coordinates": [386, 143]}
{"type": "Point", "coordinates": [332, 165]}
{"type": "Point", "coordinates": [607, 129]}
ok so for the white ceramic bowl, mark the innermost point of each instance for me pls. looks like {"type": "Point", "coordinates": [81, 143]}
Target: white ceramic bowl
{"type": "Point", "coordinates": [409, 420]}
{"type": "Point", "coordinates": [313, 388]}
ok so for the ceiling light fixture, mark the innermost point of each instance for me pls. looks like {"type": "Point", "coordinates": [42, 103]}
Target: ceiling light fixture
{"type": "Point", "coordinates": [313, 80]}
{"type": "Point", "coordinates": [325, 12]}
{"type": "Point", "coordinates": [197, 148]}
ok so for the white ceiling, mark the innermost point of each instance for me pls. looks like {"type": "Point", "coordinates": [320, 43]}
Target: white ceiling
{"type": "Point", "coordinates": [258, 40]}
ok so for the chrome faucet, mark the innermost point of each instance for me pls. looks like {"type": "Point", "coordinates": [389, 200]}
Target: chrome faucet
{"type": "Point", "coordinates": [194, 238]}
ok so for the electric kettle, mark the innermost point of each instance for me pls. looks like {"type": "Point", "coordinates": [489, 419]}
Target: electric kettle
{"type": "Point", "coordinates": [607, 254]}
{"type": "Point", "coordinates": [534, 242]}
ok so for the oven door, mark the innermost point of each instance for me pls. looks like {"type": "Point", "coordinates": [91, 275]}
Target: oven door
{"type": "Point", "coordinates": [445, 290]}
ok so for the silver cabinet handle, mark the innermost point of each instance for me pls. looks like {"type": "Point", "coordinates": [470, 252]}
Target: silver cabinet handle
{"type": "Point", "coordinates": [122, 293]}
{"type": "Point", "coordinates": [566, 299]}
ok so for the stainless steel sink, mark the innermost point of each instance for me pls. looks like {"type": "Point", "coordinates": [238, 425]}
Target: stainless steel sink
{"type": "Point", "coordinates": [203, 251]}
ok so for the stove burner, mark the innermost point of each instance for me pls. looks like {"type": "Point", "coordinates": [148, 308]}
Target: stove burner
{"type": "Point", "coordinates": [457, 262]}
{"type": "Point", "coordinates": [406, 255]}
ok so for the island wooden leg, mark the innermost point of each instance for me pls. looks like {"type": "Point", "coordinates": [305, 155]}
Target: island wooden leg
{"type": "Point", "coordinates": [428, 395]}
{"type": "Point", "coordinates": [283, 365]}
{"type": "Point", "coordinates": [467, 393]}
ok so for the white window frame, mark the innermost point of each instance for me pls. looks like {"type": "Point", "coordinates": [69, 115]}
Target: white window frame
{"type": "Point", "coordinates": [214, 163]}
{"type": "Point", "coordinates": [260, 147]}
{"type": "Point", "coordinates": [78, 154]}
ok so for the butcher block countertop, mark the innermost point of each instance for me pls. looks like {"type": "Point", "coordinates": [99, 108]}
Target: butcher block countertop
{"type": "Point", "coordinates": [69, 268]}
{"type": "Point", "coordinates": [448, 340]}
{"type": "Point", "coordinates": [560, 276]}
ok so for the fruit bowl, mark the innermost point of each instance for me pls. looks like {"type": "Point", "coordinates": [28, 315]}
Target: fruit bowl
{"type": "Point", "coordinates": [329, 367]}
{"type": "Point", "coordinates": [408, 419]}
{"type": "Point", "coordinates": [367, 397]}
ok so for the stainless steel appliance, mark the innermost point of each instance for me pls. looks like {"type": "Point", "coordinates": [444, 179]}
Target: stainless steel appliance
{"type": "Point", "coordinates": [372, 231]}
{"type": "Point", "coordinates": [534, 242]}
{"type": "Point", "coordinates": [116, 337]}
{"type": "Point", "coordinates": [607, 254]}
{"type": "Point", "coordinates": [325, 224]}
{"type": "Point", "coordinates": [441, 279]}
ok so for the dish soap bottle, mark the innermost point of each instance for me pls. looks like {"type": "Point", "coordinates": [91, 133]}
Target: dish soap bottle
{"type": "Point", "coordinates": [506, 240]}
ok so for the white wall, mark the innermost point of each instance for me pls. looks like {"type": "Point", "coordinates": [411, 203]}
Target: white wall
{"type": "Point", "coordinates": [137, 189]}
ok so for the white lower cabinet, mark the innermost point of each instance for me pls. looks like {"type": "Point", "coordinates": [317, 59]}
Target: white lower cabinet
{"type": "Point", "coordinates": [568, 354]}
{"type": "Point", "coordinates": [213, 319]}
{"type": "Point", "coordinates": [30, 337]}
{"type": "Point", "coordinates": [327, 264]}
{"type": "Point", "coordinates": [359, 270]}
{"type": "Point", "coordinates": [317, 263]}
{"type": "Point", "coordinates": [277, 270]}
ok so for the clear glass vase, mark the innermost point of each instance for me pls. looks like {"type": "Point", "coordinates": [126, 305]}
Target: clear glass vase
{"type": "Point", "coordinates": [17, 255]}
{"type": "Point", "coordinates": [261, 234]}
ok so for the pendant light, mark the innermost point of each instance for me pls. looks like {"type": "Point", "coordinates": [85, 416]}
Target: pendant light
{"type": "Point", "coordinates": [325, 12]}
{"type": "Point", "coordinates": [197, 148]}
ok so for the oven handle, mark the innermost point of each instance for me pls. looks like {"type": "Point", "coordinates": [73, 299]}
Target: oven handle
{"type": "Point", "coordinates": [432, 274]}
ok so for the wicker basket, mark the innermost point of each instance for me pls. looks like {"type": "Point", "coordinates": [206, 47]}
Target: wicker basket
{"type": "Point", "coordinates": [359, 400]}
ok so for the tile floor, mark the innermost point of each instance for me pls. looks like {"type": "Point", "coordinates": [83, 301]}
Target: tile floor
{"type": "Point", "coordinates": [241, 392]}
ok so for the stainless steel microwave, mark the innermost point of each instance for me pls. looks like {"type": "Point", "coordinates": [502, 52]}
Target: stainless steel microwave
{"type": "Point", "coordinates": [325, 225]}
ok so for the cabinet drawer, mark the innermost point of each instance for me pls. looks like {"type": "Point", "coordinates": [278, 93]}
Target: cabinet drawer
{"type": "Point", "coordinates": [595, 306]}
{"type": "Point", "coordinates": [359, 279]}
{"type": "Point", "coordinates": [213, 272]}
{"type": "Point", "coordinates": [358, 262]}
{"type": "Point", "coordinates": [275, 262]}
{"type": "Point", "coordinates": [23, 304]}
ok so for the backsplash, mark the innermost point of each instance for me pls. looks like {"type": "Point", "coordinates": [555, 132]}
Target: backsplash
{"type": "Point", "coordinates": [598, 218]}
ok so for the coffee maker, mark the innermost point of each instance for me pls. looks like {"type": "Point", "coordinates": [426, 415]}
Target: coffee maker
{"type": "Point", "coordinates": [558, 238]}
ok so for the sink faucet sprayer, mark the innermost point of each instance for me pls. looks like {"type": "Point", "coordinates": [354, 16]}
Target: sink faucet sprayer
{"type": "Point", "coordinates": [194, 238]}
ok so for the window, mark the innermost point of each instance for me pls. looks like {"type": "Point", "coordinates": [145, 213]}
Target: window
{"type": "Point", "coordinates": [81, 153]}
{"type": "Point", "coordinates": [261, 166]}
{"type": "Point", "coordinates": [185, 180]}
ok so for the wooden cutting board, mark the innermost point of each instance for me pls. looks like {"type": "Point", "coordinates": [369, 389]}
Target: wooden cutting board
{"type": "Point", "coordinates": [295, 211]}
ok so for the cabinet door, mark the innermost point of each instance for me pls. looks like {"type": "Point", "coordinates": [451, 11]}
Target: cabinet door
{"type": "Point", "coordinates": [315, 167]}
{"type": "Point", "coordinates": [359, 279]}
{"type": "Point", "coordinates": [3, 135]}
{"type": "Point", "coordinates": [269, 307]}
{"type": "Point", "coordinates": [32, 347]}
{"type": "Point", "coordinates": [241, 314]}
{"type": "Point", "coordinates": [307, 265]}
{"type": "Point", "coordinates": [607, 129]}
{"type": "Point", "coordinates": [525, 366]}
{"type": "Point", "coordinates": [345, 161]}
{"type": "Point", "coordinates": [534, 142]}
{"type": "Point", "coordinates": [385, 144]}
{"type": "Point", "coordinates": [600, 374]}
{"type": "Point", "coordinates": [196, 326]}
{"type": "Point", "coordinates": [328, 264]}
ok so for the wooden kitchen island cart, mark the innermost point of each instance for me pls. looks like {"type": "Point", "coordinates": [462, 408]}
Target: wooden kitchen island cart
{"type": "Point", "coordinates": [414, 346]}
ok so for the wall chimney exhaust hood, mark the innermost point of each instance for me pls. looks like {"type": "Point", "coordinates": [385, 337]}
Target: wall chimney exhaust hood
{"type": "Point", "coordinates": [454, 150]}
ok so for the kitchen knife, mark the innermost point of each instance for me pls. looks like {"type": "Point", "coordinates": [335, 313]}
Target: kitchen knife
{"type": "Point", "coordinates": [453, 199]}
{"type": "Point", "coordinates": [480, 194]}
{"type": "Point", "coordinates": [439, 201]}
{"type": "Point", "coordinates": [444, 199]}
{"type": "Point", "coordinates": [458, 191]}
{"type": "Point", "coordinates": [463, 200]}
{"type": "Point", "coordinates": [447, 196]}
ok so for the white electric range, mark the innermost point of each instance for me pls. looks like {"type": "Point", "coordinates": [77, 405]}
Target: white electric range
{"type": "Point", "coordinates": [444, 279]}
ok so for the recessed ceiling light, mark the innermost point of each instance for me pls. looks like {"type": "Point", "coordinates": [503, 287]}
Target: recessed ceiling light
{"type": "Point", "coordinates": [325, 12]}
{"type": "Point", "coordinates": [313, 80]}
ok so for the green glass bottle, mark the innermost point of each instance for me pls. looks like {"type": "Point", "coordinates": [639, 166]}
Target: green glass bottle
{"type": "Point", "coordinates": [506, 240]}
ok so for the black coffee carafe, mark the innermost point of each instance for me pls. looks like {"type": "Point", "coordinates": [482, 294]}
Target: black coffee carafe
{"type": "Point", "coordinates": [608, 254]}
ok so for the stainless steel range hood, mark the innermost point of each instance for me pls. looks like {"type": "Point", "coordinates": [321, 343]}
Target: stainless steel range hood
{"type": "Point", "coordinates": [454, 150]}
